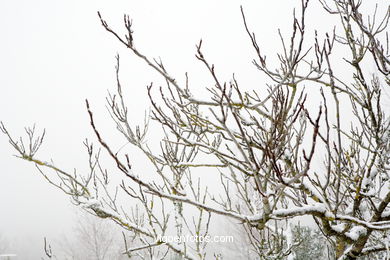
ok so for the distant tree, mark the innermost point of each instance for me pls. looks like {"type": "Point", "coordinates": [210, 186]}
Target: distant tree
{"type": "Point", "coordinates": [311, 244]}
{"type": "Point", "coordinates": [92, 239]}
{"type": "Point", "coordinates": [266, 140]}
{"type": "Point", "coordinates": [4, 244]}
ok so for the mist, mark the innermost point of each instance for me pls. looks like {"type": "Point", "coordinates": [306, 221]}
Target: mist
{"type": "Point", "coordinates": [55, 54]}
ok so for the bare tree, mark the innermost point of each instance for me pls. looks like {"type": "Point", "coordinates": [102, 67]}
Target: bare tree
{"type": "Point", "coordinates": [262, 144]}
{"type": "Point", "coordinates": [92, 238]}
{"type": "Point", "coordinates": [4, 244]}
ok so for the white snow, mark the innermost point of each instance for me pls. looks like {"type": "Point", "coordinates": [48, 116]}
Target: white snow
{"type": "Point", "coordinates": [299, 211]}
{"type": "Point", "coordinates": [290, 241]}
{"type": "Point", "coordinates": [385, 214]}
{"type": "Point", "coordinates": [356, 232]}
{"type": "Point", "coordinates": [339, 227]}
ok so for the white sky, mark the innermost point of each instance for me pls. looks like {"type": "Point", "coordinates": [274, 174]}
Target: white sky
{"type": "Point", "coordinates": [54, 54]}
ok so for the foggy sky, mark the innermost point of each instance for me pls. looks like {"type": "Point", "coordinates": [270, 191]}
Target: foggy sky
{"type": "Point", "coordinates": [54, 54]}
